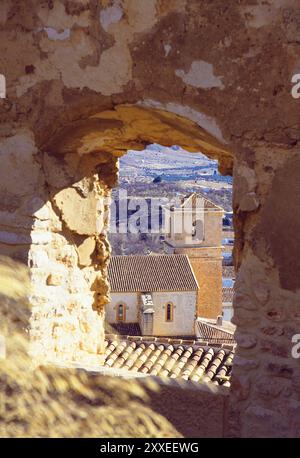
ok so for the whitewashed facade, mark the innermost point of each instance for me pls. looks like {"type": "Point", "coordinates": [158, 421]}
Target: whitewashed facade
{"type": "Point", "coordinates": [158, 293]}
{"type": "Point", "coordinates": [156, 322]}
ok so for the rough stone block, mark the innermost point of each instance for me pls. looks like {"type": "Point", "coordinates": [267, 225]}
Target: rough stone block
{"type": "Point", "coordinates": [85, 251]}
{"type": "Point", "coordinates": [54, 280]}
{"type": "Point", "coordinates": [14, 238]}
{"type": "Point", "coordinates": [245, 340]}
{"type": "Point", "coordinates": [79, 213]}
{"type": "Point", "coordinates": [19, 150]}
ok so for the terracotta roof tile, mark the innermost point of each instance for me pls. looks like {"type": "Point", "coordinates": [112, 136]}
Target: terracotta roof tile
{"type": "Point", "coordinates": [194, 362]}
{"type": "Point", "coordinates": [228, 271]}
{"type": "Point", "coordinates": [227, 294]}
{"type": "Point", "coordinates": [213, 333]}
{"type": "Point", "coordinates": [125, 329]}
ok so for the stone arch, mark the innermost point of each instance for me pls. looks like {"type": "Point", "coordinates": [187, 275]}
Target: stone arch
{"type": "Point", "coordinates": [169, 311]}
{"type": "Point", "coordinates": [76, 170]}
{"type": "Point", "coordinates": [210, 63]}
{"type": "Point", "coordinates": [69, 259]}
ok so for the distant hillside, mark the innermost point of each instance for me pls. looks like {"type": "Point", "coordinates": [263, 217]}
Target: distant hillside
{"type": "Point", "coordinates": [166, 172]}
{"type": "Point", "coordinates": [171, 164]}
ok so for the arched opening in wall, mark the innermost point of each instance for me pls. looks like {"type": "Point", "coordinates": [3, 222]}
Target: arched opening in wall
{"type": "Point", "coordinates": [169, 311]}
{"type": "Point", "coordinates": [121, 313]}
{"type": "Point", "coordinates": [172, 204]}
{"type": "Point", "coordinates": [173, 159]}
{"type": "Point", "coordinates": [69, 254]}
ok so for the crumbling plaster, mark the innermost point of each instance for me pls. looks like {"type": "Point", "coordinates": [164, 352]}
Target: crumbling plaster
{"type": "Point", "coordinates": [88, 80]}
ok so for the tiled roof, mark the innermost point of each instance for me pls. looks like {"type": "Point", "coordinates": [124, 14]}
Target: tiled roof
{"type": "Point", "coordinates": [228, 272]}
{"type": "Point", "coordinates": [166, 358]}
{"type": "Point", "coordinates": [127, 329]}
{"type": "Point", "coordinates": [151, 273]}
{"type": "Point", "coordinates": [227, 294]}
{"type": "Point", "coordinates": [214, 334]}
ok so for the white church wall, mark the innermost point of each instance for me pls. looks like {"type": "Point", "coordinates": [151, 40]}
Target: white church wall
{"type": "Point", "coordinates": [130, 300]}
{"type": "Point", "coordinates": [184, 313]}
{"type": "Point", "coordinates": [227, 311]}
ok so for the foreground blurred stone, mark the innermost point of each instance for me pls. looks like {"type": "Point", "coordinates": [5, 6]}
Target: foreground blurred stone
{"type": "Point", "coordinates": [53, 401]}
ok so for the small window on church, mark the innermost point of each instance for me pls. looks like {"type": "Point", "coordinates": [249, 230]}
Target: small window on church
{"type": "Point", "coordinates": [121, 312]}
{"type": "Point", "coordinates": [194, 229]}
{"type": "Point", "coordinates": [169, 312]}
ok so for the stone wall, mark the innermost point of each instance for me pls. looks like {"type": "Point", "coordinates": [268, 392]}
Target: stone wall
{"type": "Point", "coordinates": [193, 410]}
{"type": "Point", "coordinates": [265, 310]}
{"type": "Point", "coordinates": [69, 260]}
{"type": "Point", "coordinates": [88, 80]}
{"type": "Point", "coordinates": [54, 216]}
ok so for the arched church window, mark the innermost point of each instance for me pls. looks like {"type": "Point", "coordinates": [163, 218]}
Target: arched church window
{"type": "Point", "coordinates": [169, 311]}
{"type": "Point", "coordinates": [198, 230]}
{"type": "Point", "coordinates": [121, 312]}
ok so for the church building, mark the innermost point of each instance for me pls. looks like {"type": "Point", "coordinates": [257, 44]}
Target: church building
{"type": "Point", "coordinates": [152, 295]}
{"type": "Point", "coordinates": [166, 294]}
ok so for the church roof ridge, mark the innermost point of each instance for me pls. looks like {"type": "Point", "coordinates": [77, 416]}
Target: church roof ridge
{"type": "Point", "coordinates": [208, 204]}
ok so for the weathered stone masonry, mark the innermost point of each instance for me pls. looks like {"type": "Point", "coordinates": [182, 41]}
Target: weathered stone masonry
{"type": "Point", "coordinates": [86, 81]}
{"type": "Point", "coordinates": [68, 262]}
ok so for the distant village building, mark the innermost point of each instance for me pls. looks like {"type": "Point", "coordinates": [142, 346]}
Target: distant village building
{"type": "Point", "coordinates": [172, 294]}
{"type": "Point", "coordinates": [227, 294]}
{"type": "Point", "coordinates": [218, 331]}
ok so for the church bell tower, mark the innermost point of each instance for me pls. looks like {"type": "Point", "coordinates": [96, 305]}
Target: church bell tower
{"type": "Point", "coordinates": [195, 228]}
